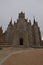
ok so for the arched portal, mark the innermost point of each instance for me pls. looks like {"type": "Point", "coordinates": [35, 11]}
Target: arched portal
{"type": "Point", "coordinates": [21, 41]}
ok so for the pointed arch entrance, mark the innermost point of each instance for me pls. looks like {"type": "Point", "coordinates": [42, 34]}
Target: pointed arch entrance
{"type": "Point", "coordinates": [21, 41]}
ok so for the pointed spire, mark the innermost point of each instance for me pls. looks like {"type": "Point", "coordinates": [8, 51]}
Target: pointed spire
{"type": "Point", "coordinates": [30, 22]}
{"type": "Point", "coordinates": [11, 21]}
{"type": "Point", "coordinates": [34, 19]}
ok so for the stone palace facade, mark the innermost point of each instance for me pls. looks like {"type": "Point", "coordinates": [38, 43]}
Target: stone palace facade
{"type": "Point", "coordinates": [22, 33]}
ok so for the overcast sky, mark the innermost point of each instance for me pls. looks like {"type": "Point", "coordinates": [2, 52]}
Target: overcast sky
{"type": "Point", "coordinates": [11, 8]}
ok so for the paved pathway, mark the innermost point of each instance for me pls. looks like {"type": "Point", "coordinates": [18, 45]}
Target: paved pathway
{"type": "Point", "coordinates": [6, 52]}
